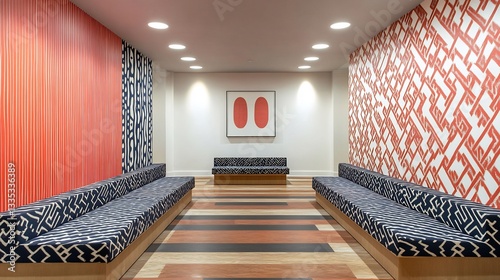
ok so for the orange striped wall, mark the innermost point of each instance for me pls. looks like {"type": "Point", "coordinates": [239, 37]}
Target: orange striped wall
{"type": "Point", "coordinates": [60, 100]}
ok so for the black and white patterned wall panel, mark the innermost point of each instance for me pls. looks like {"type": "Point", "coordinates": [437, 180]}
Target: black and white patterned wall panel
{"type": "Point", "coordinates": [137, 109]}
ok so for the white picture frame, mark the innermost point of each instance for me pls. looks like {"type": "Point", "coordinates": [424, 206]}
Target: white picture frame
{"type": "Point", "coordinates": [251, 113]}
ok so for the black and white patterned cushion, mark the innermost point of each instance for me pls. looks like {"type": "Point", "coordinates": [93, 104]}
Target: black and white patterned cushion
{"type": "Point", "coordinates": [102, 234]}
{"type": "Point", "coordinates": [402, 230]}
{"type": "Point", "coordinates": [250, 165]}
{"type": "Point", "coordinates": [40, 217]}
{"type": "Point", "coordinates": [250, 170]}
{"type": "Point", "coordinates": [471, 218]}
{"type": "Point", "coordinates": [250, 161]}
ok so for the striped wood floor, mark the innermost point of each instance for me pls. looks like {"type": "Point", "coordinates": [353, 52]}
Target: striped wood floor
{"type": "Point", "coordinates": [255, 232]}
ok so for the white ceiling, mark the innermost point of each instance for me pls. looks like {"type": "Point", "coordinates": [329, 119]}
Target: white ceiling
{"type": "Point", "coordinates": [247, 35]}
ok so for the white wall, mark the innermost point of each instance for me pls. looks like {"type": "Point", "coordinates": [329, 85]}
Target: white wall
{"type": "Point", "coordinates": [304, 111]}
{"type": "Point", "coordinates": [163, 96]}
{"type": "Point", "coordinates": [340, 93]}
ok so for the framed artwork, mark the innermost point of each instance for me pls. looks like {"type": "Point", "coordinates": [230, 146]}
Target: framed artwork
{"type": "Point", "coordinates": [251, 113]}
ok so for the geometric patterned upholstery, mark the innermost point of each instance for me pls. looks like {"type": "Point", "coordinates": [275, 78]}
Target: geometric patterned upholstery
{"type": "Point", "coordinates": [250, 165]}
{"type": "Point", "coordinates": [412, 220]}
{"type": "Point", "coordinates": [471, 218]}
{"type": "Point", "coordinates": [100, 235]}
{"type": "Point", "coordinates": [403, 231]}
{"type": "Point", "coordinates": [38, 221]}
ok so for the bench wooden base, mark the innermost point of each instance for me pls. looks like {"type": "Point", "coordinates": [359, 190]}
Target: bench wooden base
{"type": "Point", "coordinates": [412, 268]}
{"type": "Point", "coordinates": [250, 179]}
{"type": "Point", "coordinates": [96, 271]}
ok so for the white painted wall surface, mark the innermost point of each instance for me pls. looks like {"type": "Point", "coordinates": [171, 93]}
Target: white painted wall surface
{"type": "Point", "coordinates": [163, 96]}
{"type": "Point", "coordinates": [197, 134]}
{"type": "Point", "coordinates": [340, 93]}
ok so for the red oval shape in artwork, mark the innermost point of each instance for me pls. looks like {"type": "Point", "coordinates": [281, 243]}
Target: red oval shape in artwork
{"type": "Point", "coordinates": [240, 112]}
{"type": "Point", "coordinates": [261, 112]}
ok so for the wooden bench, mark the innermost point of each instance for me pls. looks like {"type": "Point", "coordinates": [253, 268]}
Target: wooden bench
{"type": "Point", "coordinates": [414, 232]}
{"type": "Point", "coordinates": [94, 232]}
{"type": "Point", "coordinates": [250, 170]}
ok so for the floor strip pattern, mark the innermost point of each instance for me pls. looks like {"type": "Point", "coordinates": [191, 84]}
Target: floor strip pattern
{"type": "Point", "coordinates": [255, 233]}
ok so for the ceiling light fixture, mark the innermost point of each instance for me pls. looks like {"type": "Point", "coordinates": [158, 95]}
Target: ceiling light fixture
{"type": "Point", "coordinates": [304, 67]}
{"type": "Point", "coordinates": [158, 25]}
{"type": "Point", "coordinates": [177, 46]}
{"type": "Point", "coordinates": [340, 25]}
{"type": "Point", "coordinates": [320, 46]}
{"type": "Point", "coordinates": [311, 58]}
{"type": "Point", "coordinates": [196, 67]}
{"type": "Point", "coordinates": [188, 58]}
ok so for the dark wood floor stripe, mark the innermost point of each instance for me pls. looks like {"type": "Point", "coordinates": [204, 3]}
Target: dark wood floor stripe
{"type": "Point", "coordinates": [254, 217]}
{"type": "Point", "coordinates": [251, 203]}
{"type": "Point", "coordinates": [240, 247]}
{"type": "Point", "coordinates": [242, 227]}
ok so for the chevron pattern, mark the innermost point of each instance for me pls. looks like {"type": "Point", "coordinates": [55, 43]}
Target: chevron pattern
{"type": "Point", "coordinates": [46, 215]}
{"type": "Point", "coordinates": [429, 84]}
{"type": "Point", "coordinates": [424, 229]}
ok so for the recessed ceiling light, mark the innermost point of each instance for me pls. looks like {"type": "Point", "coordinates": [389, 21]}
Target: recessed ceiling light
{"type": "Point", "coordinates": [188, 58]}
{"type": "Point", "coordinates": [158, 25]}
{"type": "Point", "coordinates": [311, 58]}
{"type": "Point", "coordinates": [320, 46]}
{"type": "Point", "coordinates": [196, 67]}
{"type": "Point", "coordinates": [340, 25]}
{"type": "Point", "coordinates": [304, 67]}
{"type": "Point", "coordinates": [177, 46]}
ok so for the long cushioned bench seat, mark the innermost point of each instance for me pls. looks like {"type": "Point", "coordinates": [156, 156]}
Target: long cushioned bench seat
{"type": "Point", "coordinates": [97, 223]}
{"type": "Point", "coordinates": [404, 225]}
{"type": "Point", "coordinates": [250, 170]}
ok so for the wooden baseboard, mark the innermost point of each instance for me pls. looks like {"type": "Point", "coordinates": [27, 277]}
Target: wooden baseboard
{"type": "Point", "coordinates": [250, 179]}
{"type": "Point", "coordinates": [96, 271]}
{"type": "Point", "coordinates": [416, 268]}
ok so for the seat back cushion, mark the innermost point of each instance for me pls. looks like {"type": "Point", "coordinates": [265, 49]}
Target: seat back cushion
{"type": "Point", "coordinates": [377, 182]}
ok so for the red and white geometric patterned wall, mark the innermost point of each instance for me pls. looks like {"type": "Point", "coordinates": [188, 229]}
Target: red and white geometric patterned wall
{"type": "Point", "coordinates": [425, 99]}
